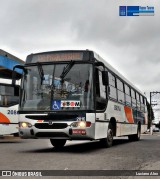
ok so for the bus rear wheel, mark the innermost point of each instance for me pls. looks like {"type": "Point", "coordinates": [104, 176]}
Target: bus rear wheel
{"type": "Point", "coordinates": [108, 141]}
{"type": "Point", "coordinates": [58, 143]}
{"type": "Point", "coordinates": [135, 137]}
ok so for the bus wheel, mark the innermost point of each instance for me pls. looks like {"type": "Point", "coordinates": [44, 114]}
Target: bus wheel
{"type": "Point", "coordinates": [58, 143]}
{"type": "Point", "coordinates": [135, 137]}
{"type": "Point", "coordinates": [108, 141]}
{"type": "Point", "coordinates": [16, 134]}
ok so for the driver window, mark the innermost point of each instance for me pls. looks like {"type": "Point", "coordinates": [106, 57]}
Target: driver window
{"type": "Point", "coordinates": [100, 91]}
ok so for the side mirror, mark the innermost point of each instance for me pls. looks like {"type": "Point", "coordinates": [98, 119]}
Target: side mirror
{"type": "Point", "coordinates": [105, 78]}
{"type": "Point", "coordinates": [15, 75]}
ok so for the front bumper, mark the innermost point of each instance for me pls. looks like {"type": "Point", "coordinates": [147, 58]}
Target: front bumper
{"type": "Point", "coordinates": [69, 133]}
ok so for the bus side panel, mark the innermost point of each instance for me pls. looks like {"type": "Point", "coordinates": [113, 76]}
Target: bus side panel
{"type": "Point", "coordinates": [118, 131]}
{"type": "Point", "coordinates": [116, 110]}
{"type": "Point", "coordinates": [144, 127]}
{"type": "Point", "coordinates": [125, 129]}
{"type": "Point", "coordinates": [9, 118]}
{"type": "Point", "coordinates": [8, 129]}
{"type": "Point", "coordinates": [91, 117]}
{"type": "Point", "coordinates": [101, 130]}
{"type": "Point", "coordinates": [124, 122]}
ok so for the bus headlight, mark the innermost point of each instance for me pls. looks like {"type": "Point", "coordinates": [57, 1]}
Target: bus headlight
{"type": "Point", "coordinates": [25, 124]}
{"type": "Point", "coordinates": [81, 124]}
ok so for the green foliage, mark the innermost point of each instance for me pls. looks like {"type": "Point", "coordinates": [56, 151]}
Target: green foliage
{"type": "Point", "coordinates": [150, 114]}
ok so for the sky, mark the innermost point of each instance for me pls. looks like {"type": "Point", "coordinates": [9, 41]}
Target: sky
{"type": "Point", "coordinates": [129, 44]}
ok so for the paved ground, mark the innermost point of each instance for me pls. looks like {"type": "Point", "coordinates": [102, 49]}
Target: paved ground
{"type": "Point", "coordinates": [27, 154]}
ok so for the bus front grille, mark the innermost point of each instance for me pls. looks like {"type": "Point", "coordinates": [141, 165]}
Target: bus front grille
{"type": "Point", "coordinates": [51, 134]}
{"type": "Point", "coordinates": [51, 126]}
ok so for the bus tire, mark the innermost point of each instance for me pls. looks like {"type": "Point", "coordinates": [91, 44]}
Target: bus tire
{"type": "Point", "coordinates": [135, 137]}
{"type": "Point", "coordinates": [108, 141]}
{"type": "Point", "coordinates": [58, 143]}
{"type": "Point", "coordinates": [16, 134]}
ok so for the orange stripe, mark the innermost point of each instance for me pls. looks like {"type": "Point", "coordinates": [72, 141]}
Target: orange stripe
{"type": "Point", "coordinates": [3, 118]}
{"type": "Point", "coordinates": [128, 112]}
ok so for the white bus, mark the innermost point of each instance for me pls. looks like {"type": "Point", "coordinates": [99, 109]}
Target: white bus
{"type": "Point", "coordinates": [9, 100]}
{"type": "Point", "coordinates": [76, 95]}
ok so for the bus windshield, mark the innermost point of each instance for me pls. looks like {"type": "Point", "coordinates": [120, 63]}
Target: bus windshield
{"type": "Point", "coordinates": [54, 87]}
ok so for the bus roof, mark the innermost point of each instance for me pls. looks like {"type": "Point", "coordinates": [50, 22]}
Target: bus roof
{"type": "Point", "coordinates": [66, 55]}
{"type": "Point", "coordinates": [7, 62]}
{"type": "Point", "coordinates": [116, 72]}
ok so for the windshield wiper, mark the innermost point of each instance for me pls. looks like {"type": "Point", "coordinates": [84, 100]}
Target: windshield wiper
{"type": "Point", "coordinates": [41, 73]}
{"type": "Point", "coordinates": [66, 69]}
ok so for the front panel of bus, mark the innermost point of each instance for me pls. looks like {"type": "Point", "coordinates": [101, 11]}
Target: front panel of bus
{"type": "Point", "coordinates": [57, 100]}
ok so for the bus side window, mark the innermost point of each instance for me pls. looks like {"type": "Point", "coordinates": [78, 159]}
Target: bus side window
{"type": "Point", "coordinates": [97, 84]}
{"type": "Point", "coordinates": [145, 103]}
{"type": "Point", "coordinates": [9, 96]}
{"type": "Point", "coordinates": [133, 95]}
{"type": "Point", "coordinates": [112, 87]}
{"type": "Point", "coordinates": [102, 87]}
{"type": "Point", "coordinates": [142, 103]}
{"type": "Point", "coordinates": [101, 101]}
{"type": "Point", "coordinates": [0, 99]}
{"type": "Point", "coordinates": [3, 101]}
{"type": "Point", "coordinates": [128, 95]}
{"type": "Point", "coordinates": [138, 101]}
{"type": "Point", "coordinates": [120, 89]}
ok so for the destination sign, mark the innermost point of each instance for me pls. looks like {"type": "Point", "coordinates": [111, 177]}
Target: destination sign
{"type": "Point", "coordinates": [51, 57]}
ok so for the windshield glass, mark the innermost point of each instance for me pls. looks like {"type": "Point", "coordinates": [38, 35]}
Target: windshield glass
{"type": "Point", "coordinates": [46, 88]}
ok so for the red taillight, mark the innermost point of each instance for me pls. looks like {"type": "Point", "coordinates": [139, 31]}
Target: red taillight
{"type": "Point", "coordinates": [81, 124]}
{"type": "Point", "coordinates": [88, 124]}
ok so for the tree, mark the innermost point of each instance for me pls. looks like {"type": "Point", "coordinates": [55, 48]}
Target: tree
{"type": "Point", "coordinates": [150, 114]}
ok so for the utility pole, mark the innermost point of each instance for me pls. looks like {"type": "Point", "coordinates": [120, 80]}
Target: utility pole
{"type": "Point", "coordinates": [150, 114]}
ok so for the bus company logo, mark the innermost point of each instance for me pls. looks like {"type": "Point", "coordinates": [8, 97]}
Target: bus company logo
{"type": "Point", "coordinates": [70, 104]}
{"type": "Point", "coordinates": [117, 108]}
{"type": "Point", "coordinates": [50, 123]}
{"type": "Point", "coordinates": [136, 11]}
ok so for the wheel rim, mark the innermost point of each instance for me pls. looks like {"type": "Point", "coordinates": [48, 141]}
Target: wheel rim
{"type": "Point", "coordinates": [138, 133]}
{"type": "Point", "coordinates": [110, 136]}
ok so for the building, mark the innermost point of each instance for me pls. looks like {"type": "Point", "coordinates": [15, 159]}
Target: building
{"type": "Point", "coordinates": [7, 62]}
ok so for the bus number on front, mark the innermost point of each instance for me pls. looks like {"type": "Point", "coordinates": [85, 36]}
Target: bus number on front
{"type": "Point", "coordinates": [12, 112]}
